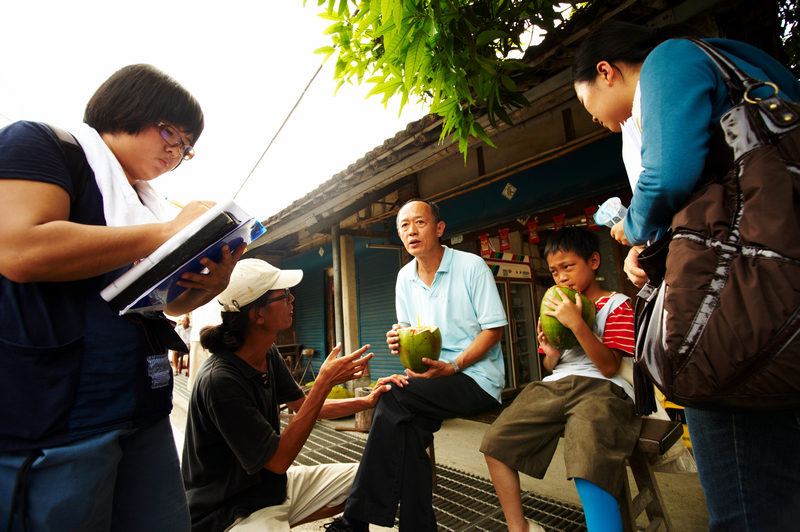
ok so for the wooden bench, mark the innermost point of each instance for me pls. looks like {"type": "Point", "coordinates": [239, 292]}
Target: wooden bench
{"type": "Point", "coordinates": [655, 438]}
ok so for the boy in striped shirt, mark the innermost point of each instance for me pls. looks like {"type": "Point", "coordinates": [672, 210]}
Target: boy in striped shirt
{"type": "Point", "coordinates": [584, 399]}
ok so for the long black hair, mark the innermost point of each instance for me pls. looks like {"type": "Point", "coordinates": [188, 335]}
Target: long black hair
{"type": "Point", "coordinates": [230, 333]}
{"type": "Point", "coordinates": [622, 42]}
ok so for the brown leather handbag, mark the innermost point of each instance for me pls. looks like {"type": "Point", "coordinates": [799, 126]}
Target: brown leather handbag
{"type": "Point", "coordinates": [723, 326]}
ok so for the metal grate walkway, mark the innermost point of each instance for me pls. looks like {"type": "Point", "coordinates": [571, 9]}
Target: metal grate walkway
{"type": "Point", "coordinates": [463, 502]}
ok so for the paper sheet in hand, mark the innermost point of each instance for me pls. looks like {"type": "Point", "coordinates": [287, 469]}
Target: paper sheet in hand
{"type": "Point", "coordinates": [151, 283]}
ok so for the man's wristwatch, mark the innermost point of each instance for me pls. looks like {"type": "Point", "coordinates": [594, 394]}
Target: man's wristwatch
{"type": "Point", "coordinates": [455, 366]}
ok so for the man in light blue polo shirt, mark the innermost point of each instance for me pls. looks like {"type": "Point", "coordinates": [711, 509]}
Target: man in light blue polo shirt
{"type": "Point", "coordinates": [456, 292]}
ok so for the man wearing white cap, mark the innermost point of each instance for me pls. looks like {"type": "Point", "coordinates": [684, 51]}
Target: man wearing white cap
{"type": "Point", "coordinates": [236, 462]}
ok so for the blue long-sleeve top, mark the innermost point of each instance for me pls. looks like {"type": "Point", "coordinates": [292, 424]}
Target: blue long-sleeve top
{"type": "Point", "coordinates": [683, 99]}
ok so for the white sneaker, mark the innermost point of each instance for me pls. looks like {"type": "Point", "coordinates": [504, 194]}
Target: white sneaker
{"type": "Point", "coordinates": [533, 526]}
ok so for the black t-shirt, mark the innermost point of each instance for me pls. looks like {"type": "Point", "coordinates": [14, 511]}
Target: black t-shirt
{"type": "Point", "coordinates": [232, 431]}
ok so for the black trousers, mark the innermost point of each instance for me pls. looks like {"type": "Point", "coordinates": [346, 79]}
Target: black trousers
{"type": "Point", "coordinates": [395, 467]}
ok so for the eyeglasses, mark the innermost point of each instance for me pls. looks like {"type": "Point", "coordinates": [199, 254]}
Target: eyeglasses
{"type": "Point", "coordinates": [286, 294]}
{"type": "Point", "coordinates": [173, 138]}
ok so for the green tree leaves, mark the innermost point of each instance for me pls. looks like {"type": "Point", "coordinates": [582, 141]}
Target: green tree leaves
{"type": "Point", "coordinates": [456, 56]}
{"type": "Point", "coordinates": [452, 55]}
{"type": "Point", "coordinates": [488, 36]}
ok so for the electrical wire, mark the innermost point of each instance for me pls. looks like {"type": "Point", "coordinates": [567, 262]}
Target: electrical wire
{"type": "Point", "coordinates": [7, 118]}
{"type": "Point", "coordinates": [280, 129]}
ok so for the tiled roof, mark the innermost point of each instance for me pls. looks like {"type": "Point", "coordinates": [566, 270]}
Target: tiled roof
{"type": "Point", "coordinates": [416, 135]}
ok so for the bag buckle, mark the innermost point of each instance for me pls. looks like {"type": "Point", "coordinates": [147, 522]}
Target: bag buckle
{"type": "Point", "coordinates": [647, 292]}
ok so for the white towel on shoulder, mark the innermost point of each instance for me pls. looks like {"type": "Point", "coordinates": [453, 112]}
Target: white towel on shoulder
{"type": "Point", "coordinates": [122, 205]}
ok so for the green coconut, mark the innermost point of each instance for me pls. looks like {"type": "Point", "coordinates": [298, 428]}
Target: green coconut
{"type": "Point", "coordinates": [417, 343]}
{"type": "Point", "coordinates": [337, 392]}
{"type": "Point", "coordinates": [557, 335]}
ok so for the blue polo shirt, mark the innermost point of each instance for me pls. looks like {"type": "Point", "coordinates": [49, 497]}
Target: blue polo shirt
{"type": "Point", "coordinates": [462, 301]}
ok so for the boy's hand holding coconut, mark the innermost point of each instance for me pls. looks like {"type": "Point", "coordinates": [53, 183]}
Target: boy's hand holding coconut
{"type": "Point", "coordinates": [564, 313]}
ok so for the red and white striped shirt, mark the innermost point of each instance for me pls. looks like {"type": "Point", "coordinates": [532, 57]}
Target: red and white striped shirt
{"type": "Point", "coordinates": [618, 333]}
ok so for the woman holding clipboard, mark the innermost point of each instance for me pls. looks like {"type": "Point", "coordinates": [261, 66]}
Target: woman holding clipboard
{"type": "Point", "coordinates": [85, 394]}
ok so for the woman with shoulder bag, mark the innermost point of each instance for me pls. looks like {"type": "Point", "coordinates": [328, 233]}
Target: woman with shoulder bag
{"type": "Point", "coordinates": [675, 94]}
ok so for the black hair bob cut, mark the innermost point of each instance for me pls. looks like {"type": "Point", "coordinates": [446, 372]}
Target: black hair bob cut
{"type": "Point", "coordinates": [578, 240]}
{"type": "Point", "coordinates": [140, 96]}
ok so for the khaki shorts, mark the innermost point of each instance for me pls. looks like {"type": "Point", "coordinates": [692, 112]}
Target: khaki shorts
{"type": "Point", "coordinates": [308, 489]}
{"type": "Point", "coordinates": [595, 416]}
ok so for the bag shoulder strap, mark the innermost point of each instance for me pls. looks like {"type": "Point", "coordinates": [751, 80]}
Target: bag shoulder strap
{"type": "Point", "coordinates": [614, 301]}
{"type": "Point", "coordinates": [738, 82]}
{"type": "Point", "coordinates": [779, 117]}
{"type": "Point", "coordinates": [79, 169]}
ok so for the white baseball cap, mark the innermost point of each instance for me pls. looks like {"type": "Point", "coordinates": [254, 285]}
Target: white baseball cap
{"type": "Point", "coordinates": [251, 279]}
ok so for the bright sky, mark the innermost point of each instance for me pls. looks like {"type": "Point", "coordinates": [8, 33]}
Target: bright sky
{"type": "Point", "coordinates": [247, 62]}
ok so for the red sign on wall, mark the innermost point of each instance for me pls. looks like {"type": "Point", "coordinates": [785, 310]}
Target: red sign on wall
{"type": "Point", "coordinates": [505, 245]}
{"type": "Point", "coordinates": [485, 250]}
{"type": "Point", "coordinates": [591, 225]}
{"type": "Point", "coordinates": [533, 232]}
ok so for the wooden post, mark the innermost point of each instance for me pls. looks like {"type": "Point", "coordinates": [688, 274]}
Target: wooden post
{"type": "Point", "coordinates": [364, 418]}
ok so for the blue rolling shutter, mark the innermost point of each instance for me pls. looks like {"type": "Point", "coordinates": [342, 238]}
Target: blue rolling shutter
{"type": "Point", "coordinates": [376, 273]}
{"type": "Point", "coordinates": [309, 314]}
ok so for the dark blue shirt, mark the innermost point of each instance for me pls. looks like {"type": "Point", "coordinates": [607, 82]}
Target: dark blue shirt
{"type": "Point", "coordinates": [72, 367]}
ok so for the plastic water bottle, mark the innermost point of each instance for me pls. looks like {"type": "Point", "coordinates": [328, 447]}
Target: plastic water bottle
{"type": "Point", "coordinates": [610, 213]}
